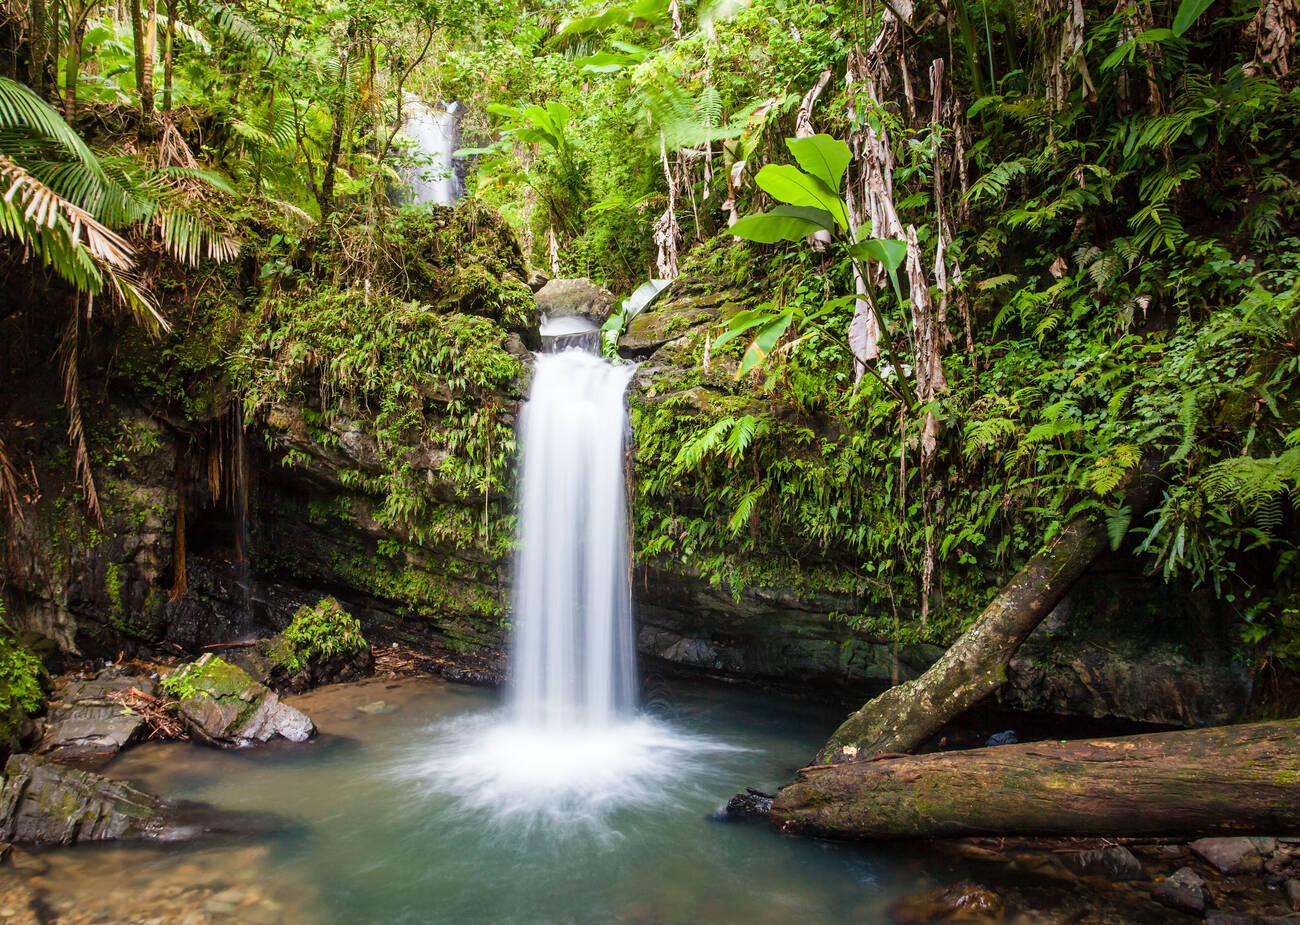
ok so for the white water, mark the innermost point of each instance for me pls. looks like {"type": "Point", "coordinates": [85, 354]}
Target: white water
{"type": "Point", "coordinates": [573, 653]}
{"type": "Point", "coordinates": [433, 130]}
{"type": "Point", "coordinates": [570, 748]}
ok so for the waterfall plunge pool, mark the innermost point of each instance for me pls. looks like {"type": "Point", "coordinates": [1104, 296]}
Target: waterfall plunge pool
{"type": "Point", "coordinates": [428, 809]}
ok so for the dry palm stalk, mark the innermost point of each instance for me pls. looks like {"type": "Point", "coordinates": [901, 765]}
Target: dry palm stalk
{"type": "Point", "coordinates": [158, 714]}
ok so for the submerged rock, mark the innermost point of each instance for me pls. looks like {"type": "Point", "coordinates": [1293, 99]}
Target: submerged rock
{"type": "Point", "coordinates": [1113, 862]}
{"type": "Point", "coordinates": [962, 902]}
{"type": "Point", "coordinates": [88, 728]}
{"type": "Point", "coordinates": [752, 804]}
{"type": "Point", "coordinates": [1229, 855]}
{"type": "Point", "coordinates": [221, 705]}
{"type": "Point", "coordinates": [1184, 890]}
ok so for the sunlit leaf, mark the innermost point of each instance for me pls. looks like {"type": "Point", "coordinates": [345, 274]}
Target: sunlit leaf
{"type": "Point", "coordinates": [824, 157]}
{"type": "Point", "coordinates": [790, 185]}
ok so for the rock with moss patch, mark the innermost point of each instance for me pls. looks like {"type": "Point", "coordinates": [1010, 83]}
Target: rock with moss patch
{"type": "Point", "coordinates": [322, 645]}
{"type": "Point", "coordinates": [223, 706]}
{"type": "Point", "coordinates": [42, 803]}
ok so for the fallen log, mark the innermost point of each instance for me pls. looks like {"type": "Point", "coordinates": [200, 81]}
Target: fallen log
{"type": "Point", "coordinates": [1221, 780]}
{"type": "Point", "coordinates": [975, 666]}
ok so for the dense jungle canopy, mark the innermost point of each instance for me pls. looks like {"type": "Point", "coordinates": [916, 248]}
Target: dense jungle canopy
{"type": "Point", "coordinates": [979, 263]}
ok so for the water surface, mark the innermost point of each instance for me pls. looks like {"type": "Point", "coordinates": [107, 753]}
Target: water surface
{"type": "Point", "coordinates": [387, 828]}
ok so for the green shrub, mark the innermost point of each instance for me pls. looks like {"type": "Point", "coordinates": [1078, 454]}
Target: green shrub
{"type": "Point", "coordinates": [316, 633]}
{"type": "Point", "coordinates": [22, 688]}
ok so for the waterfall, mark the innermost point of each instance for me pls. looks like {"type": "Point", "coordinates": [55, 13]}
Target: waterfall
{"type": "Point", "coordinates": [573, 647]}
{"type": "Point", "coordinates": [570, 749]}
{"type": "Point", "coordinates": [433, 130]}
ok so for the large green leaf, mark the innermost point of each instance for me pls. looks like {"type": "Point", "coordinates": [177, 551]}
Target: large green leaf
{"type": "Point", "coordinates": [771, 227]}
{"type": "Point", "coordinates": [762, 344]}
{"type": "Point", "coordinates": [889, 252]}
{"type": "Point", "coordinates": [744, 321]}
{"type": "Point", "coordinates": [824, 157]}
{"type": "Point", "coordinates": [1188, 12]}
{"type": "Point", "coordinates": [789, 184]}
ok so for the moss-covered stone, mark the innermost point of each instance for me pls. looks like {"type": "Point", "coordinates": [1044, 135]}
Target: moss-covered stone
{"type": "Point", "coordinates": [222, 705]}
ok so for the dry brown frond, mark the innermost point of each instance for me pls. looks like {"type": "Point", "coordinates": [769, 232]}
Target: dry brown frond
{"type": "Point", "coordinates": [69, 353]}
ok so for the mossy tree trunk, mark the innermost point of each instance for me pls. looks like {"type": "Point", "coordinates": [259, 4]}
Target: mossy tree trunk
{"type": "Point", "coordinates": [1228, 779]}
{"type": "Point", "coordinates": [975, 666]}
{"type": "Point", "coordinates": [908, 714]}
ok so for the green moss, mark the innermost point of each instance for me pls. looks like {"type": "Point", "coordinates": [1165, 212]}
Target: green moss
{"type": "Point", "coordinates": [316, 633]}
{"type": "Point", "coordinates": [22, 686]}
{"type": "Point", "coordinates": [115, 588]}
{"type": "Point", "coordinates": [209, 677]}
{"type": "Point", "coordinates": [1286, 777]}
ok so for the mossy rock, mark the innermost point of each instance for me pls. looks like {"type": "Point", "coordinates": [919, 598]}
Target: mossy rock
{"type": "Point", "coordinates": [322, 645]}
{"type": "Point", "coordinates": [222, 705]}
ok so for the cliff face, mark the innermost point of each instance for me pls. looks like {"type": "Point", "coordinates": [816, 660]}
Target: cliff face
{"type": "Point", "coordinates": [310, 432]}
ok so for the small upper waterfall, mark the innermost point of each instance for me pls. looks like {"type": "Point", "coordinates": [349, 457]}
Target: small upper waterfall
{"type": "Point", "coordinates": [433, 178]}
{"type": "Point", "coordinates": [574, 650]}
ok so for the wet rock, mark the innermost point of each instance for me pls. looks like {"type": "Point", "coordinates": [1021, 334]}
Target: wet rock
{"type": "Point", "coordinates": [1113, 648]}
{"type": "Point", "coordinates": [1229, 855]}
{"type": "Point", "coordinates": [42, 803]}
{"type": "Point", "coordinates": [1237, 918]}
{"type": "Point", "coordinates": [574, 298]}
{"type": "Point", "coordinates": [1114, 862]}
{"type": "Point", "coordinates": [752, 804]}
{"type": "Point", "coordinates": [1184, 890]}
{"type": "Point", "coordinates": [1264, 845]}
{"type": "Point", "coordinates": [221, 705]}
{"type": "Point", "coordinates": [1292, 890]}
{"type": "Point", "coordinates": [961, 902]}
{"type": "Point", "coordinates": [86, 727]}
{"type": "Point", "coordinates": [1003, 738]}
{"type": "Point", "coordinates": [481, 676]}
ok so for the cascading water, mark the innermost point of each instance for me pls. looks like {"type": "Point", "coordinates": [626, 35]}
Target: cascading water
{"type": "Point", "coordinates": [433, 131]}
{"type": "Point", "coordinates": [574, 655]}
{"type": "Point", "coordinates": [570, 747]}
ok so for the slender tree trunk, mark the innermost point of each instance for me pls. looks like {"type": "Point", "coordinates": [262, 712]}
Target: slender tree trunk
{"type": "Point", "coordinates": [39, 42]}
{"type": "Point", "coordinates": [1229, 779]}
{"type": "Point", "coordinates": [137, 45]}
{"type": "Point", "coordinates": [150, 47]}
{"type": "Point", "coordinates": [170, 39]}
{"type": "Point", "coordinates": [325, 197]}
{"type": "Point", "coordinates": [52, 53]}
{"type": "Point", "coordinates": [72, 66]}
{"type": "Point", "coordinates": [975, 666]}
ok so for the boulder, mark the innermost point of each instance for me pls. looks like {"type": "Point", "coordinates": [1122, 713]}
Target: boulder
{"type": "Point", "coordinates": [1183, 890]}
{"type": "Point", "coordinates": [323, 644]}
{"type": "Point", "coordinates": [1292, 890]}
{"type": "Point", "coordinates": [1229, 855]}
{"type": "Point", "coordinates": [221, 705]}
{"type": "Point", "coordinates": [1114, 862]}
{"type": "Point", "coordinates": [86, 727]}
{"type": "Point", "coordinates": [575, 298]}
{"type": "Point", "coordinates": [43, 803]}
